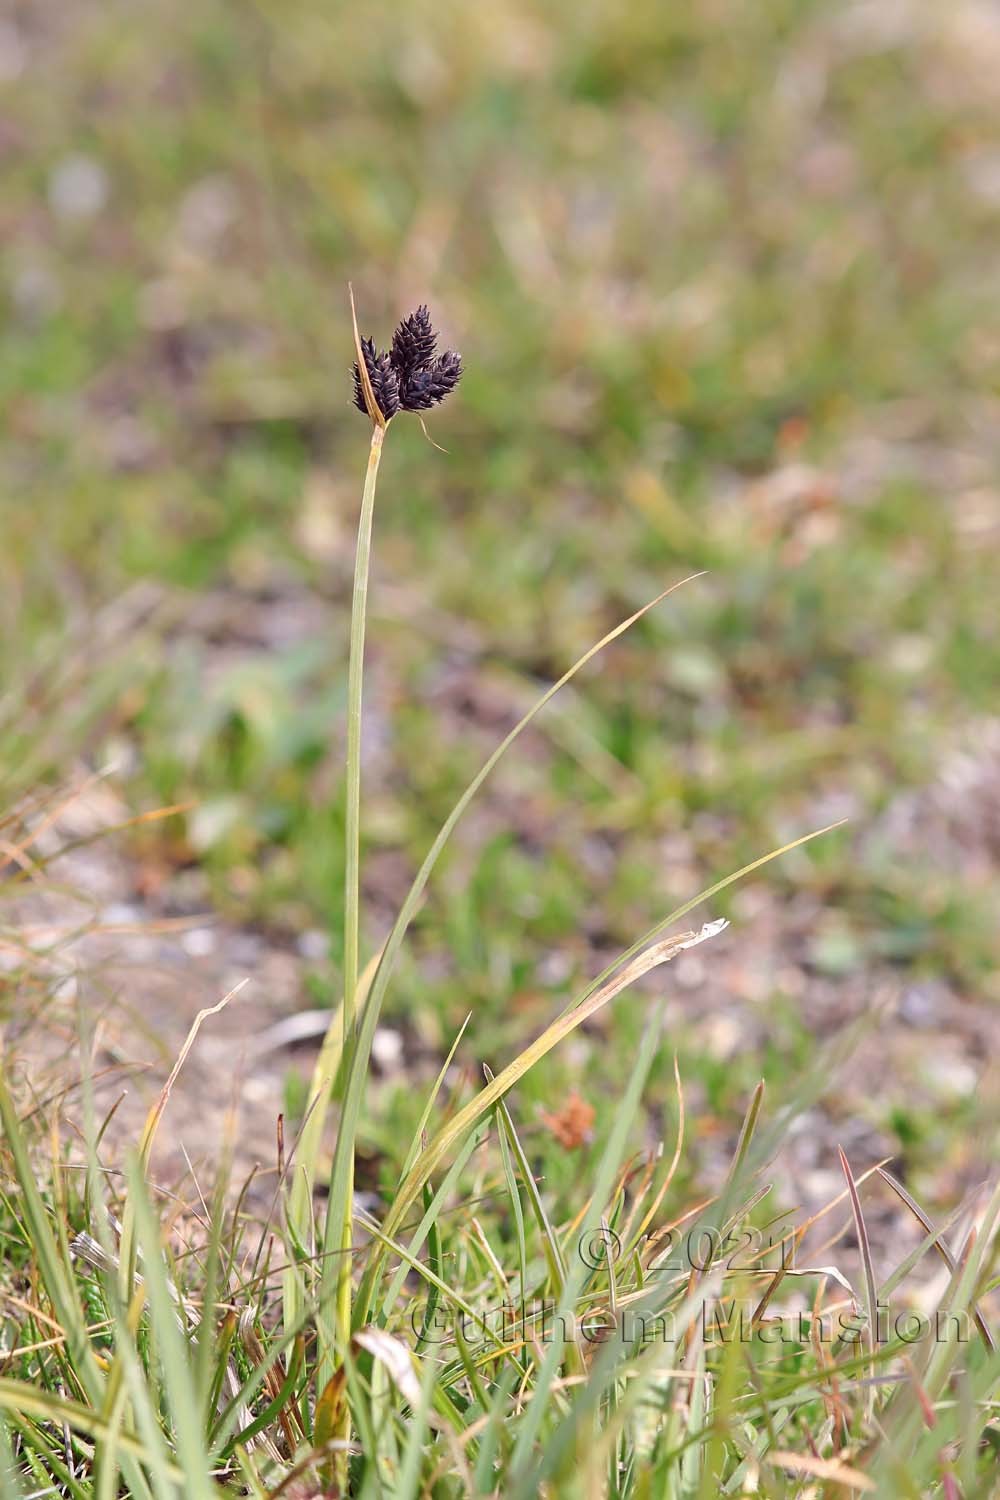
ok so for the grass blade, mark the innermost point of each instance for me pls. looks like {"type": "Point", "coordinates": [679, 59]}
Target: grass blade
{"type": "Point", "coordinates": [455, 1129]}
{"type": "Point", "coordinates": [579, 1269]}
{"type": "Point", "coordinates": [939, 1246]}
{"type": "Point", "coordinates": [550, 1240]}
{"type": "Point", "coordinates": [174, 1350]}
{"type": "Point", "coordinates": [871, 1291]}
{"type": "Point", "coordinates": [56, 1278]}
{"type": "Point", "coordinates": [337, 1236]}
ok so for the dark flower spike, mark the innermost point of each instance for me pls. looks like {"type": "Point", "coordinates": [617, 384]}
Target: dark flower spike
{"type": "Point", "coordinates": [413, 343]}
{"type": "Point", "coordinates": [426, 388]}
{"type": "Point", "coordinates": [408, 378]}
{"type": "Point", "coordinates": [384, 381]}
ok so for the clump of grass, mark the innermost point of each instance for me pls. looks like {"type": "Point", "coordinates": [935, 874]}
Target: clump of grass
{"type": "Point", "coordinates": [476, 1337]}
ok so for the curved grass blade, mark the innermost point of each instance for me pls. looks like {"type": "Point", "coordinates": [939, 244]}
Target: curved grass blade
{"type": "Point", "coordinates": [425, 1113]}
{"type": "Point", "coordinates": [340, 1205]}
{"type": "Point", "coordinates": [939, 1246]}
{"type": "Point", "coordinates": [504, 1135]}
{"type": "Point", "coordinates": [21, 1398]}
{"type": "Point", "coordinates": [369, 1288]}
{"type": "Point", "coordinates": [453, 1130]}
{"type": "Point", "coordinates": [636, 1239]}
{"type": "Point", "coordinates": [430, 1216]}
{"type": "Point", "coordinates": [871, 1291]}
{"type": "Point", "coordinates": [638, 960]}
{"type": "Point", "coordinates": [550, 1240]}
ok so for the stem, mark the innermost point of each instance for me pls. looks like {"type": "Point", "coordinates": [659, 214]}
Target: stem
{"type": "Point", "coordinates": [352, 903]}
{"type": "Point", "coordinates": [355, 683]}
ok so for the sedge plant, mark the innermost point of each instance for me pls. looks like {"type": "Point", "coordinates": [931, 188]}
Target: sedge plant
{"type": "Point", "coordinates": [410, 377]}
{"type": "Point", "coordinates": [497, 1347]}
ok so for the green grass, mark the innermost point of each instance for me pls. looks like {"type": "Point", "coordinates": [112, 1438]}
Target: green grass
{"type": "Point", "coordinates": [516, 1350]}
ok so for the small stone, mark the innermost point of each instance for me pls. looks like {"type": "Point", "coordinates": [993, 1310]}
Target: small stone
{"type": "Point", "coordinates": [78, 188]}
{"type": "Point", "coordinates": [199, 942]}
{"type": "Point", "coordinates": [314, 945]}
{"type": "Point", "coordinates": [387, 1049]}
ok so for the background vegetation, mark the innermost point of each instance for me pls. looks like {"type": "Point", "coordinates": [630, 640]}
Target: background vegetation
{"type": "Point", "coordinates": [724, 278]}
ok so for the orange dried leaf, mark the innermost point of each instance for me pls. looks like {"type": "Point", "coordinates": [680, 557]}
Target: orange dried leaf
{"type": "Point", "coordinates": [573, 1124]}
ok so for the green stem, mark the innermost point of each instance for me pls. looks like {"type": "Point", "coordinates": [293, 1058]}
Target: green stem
{"type": "Point", "coordinates": [355, 683]}
{"type": "Point", "coordinates": [352, 900]}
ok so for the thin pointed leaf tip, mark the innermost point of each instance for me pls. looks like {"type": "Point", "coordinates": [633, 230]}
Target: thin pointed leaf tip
{"type": "Point", "coordinates": [408, 377]}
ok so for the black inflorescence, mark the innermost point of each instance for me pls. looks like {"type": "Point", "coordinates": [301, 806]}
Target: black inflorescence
{"type": "Point", "coordinates": [384, 380]}
{"type": "Point", "coordinates": [408, 377]}
{"type": "Point", "coordinates": [414, 342]}
{"type": "Point", "coordinates": [424, 388]}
